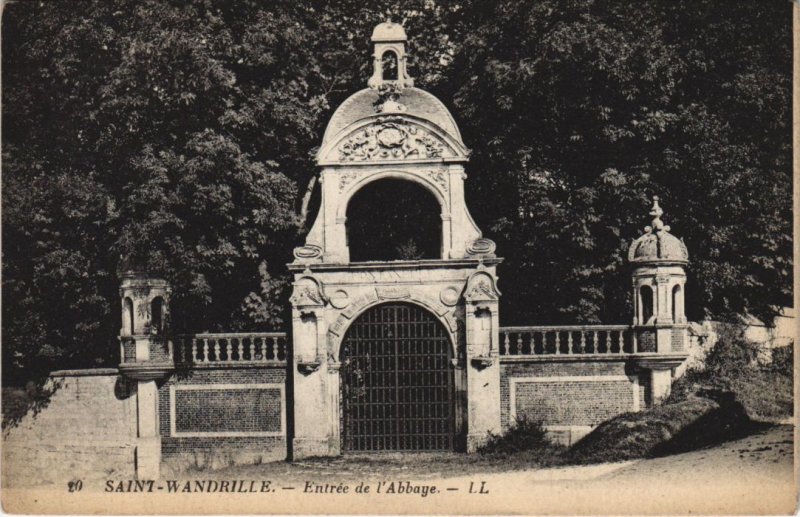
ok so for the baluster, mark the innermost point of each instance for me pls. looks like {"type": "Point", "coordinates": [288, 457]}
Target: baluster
{"type": "Point", "coordinates": [193, 349]}
{"type": "Point", "coordinates": [607, 341]}
{"type": "Point", "coordinates": [634, 341]}
{"type": "Point", "coordinates": [583, 341]}
{"type": "Point", "coordinates": [506, 345]}
{"type": "Point", "coordinates": [216, 349]}
{"type": "Point", "coordinates": [252, 348]}
{"type": "Point", "coordinates": [558, 342]}
{"type": "Point", "coordinates": [519, 343]}
{"type": "Point", "coordinates": [205, 350]}
{"type": "Point", "coordinates": [620, 342]}
{"type": "Point", "coordinates": [569, 342]}
{"type": "Point", "coordinates": [241, 349]}
{"type": "Point", "coordinates": [263, 349]}
{"type": "Point", "coordinates": [595, 342]}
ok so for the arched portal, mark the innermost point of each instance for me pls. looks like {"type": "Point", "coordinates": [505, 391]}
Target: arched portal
{"type": "Point", "coordinates": [394, 219]}
{"type": "Point", "coordinates": [397, 382]}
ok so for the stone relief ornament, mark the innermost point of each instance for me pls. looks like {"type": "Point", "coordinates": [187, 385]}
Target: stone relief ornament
{"type": "Point", "coordinates": [481, 246]}
{"type": "Point", "coordinates": [449, 296]}
{"type": "Point", "coordinates": [481, 287]}
{"type": "Point", "coordinates": [340, 299]}
{"type": "Point", "coordinates": [345, 179]}
{"type": "Point", "coordinates": [439, 178]}
{"type": "Point", "coordinates": [308, 252]}
{"type": "Point", "coordinates": [390, 141]}
{"type": "Point", "coordinates": [307, 291]}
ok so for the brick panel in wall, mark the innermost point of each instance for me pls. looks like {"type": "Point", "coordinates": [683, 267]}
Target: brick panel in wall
{"type": "Point", "coordinates": [568, 402]}
{"type": "Point", "coordinates": [677, 339]}
{"type": "Point", "coordinates": [233, 410]}
{"type": "Point", "coordinates": [212, 376]}
{"type": "Point", "coordinates": [647, 341]}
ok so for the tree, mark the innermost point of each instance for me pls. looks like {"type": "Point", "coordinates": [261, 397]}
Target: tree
{"type": "Point", "coordinates": [577, 112]}
{"type": "Point", "coordinates": [179, 137]}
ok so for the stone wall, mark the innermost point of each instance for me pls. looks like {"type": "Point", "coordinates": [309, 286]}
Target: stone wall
{"type": "Point", "coordinates": [569, 397]}
{"type": "Point", "coordinates": [211, 418]}
{"type": "Point", "coordinates": [86, 430]}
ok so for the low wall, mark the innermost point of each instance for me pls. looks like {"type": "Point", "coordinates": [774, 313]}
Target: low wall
{"type": "Point", "coordinates": [213, 417]}
{"type": "Point", "coordinates": [570, 395]}
{"type": "Point", "coordinates": [86, 430]}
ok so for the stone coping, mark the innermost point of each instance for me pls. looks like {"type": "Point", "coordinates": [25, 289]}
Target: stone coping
{"type": "Point", "coordinates": [87, 372]}
{"type": "Point", "coordinates": [642, 358]}
{"type": "Point", "coordinates": [566, 358]}
{"type": "Point", "coordinates": [395, 264]}
{"type": "Point", "coordinates": [179, 367]}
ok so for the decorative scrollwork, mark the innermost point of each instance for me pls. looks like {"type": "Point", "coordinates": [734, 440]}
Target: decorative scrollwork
{"type": "Point", "coordinates": [345, 178]}
{"type": "Point", "coordinates": [309, 251]}
{"type": "Point", "coordinates": [390, 141]}
{"type": "Point", "coordinates": [481, 246]}
{"type": "Point", "coordinates": [439, 178]}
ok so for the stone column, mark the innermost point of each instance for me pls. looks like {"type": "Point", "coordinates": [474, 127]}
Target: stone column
{"type": "Point", "coordinates": [483, 365]}
{"type": "Point", "coordinates": [311, 405]}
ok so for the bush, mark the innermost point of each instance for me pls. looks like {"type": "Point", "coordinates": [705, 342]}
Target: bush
{"type": "Point", "coordinates": [523, 435]}
{"type": "Point", "coordinates": [783, 360]}
{"type": "Point", "coordinates": [667, 429]}
{"type": "Point", "coordinates": [732, 368]}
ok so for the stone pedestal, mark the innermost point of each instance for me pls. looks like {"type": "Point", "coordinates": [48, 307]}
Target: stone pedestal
{"type": "Point", "coordinates": [661, 366]}
{"type": "Point", "coordinates": [148, 441]}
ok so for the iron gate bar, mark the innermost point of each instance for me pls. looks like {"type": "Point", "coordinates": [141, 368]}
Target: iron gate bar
{"type": "Point", "coordinates": [397, 385]}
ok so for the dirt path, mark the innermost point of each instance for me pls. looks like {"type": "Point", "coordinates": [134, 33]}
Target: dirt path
{"type": "Point", "coordinates": [753, 475]}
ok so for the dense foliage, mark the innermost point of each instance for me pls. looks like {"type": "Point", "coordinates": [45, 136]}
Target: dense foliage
{"type": "Point", "coordinates": [760, 379]}
{"type": "Point", "coordinates": [178, 137]}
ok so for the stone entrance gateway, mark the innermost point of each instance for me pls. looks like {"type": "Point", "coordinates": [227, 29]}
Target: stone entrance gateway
{"type": "Point", "coordinates": [397, 381]}
{"type": "Point", "coordinates": [445, 395]}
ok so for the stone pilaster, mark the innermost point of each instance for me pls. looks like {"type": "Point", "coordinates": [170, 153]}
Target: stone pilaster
{"type": "Point", "coordinates": [312, 407]}
{"type": "Point", "coordinates": [483, 365]}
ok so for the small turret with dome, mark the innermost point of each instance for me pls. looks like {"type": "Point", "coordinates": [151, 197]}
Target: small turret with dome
{"type": "Point", "coordinates": [659, 281]}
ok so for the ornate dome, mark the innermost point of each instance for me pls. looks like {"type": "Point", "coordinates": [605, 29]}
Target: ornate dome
{"type": "Point", "coordinates": [389, 31]}
{"type": "Point", "coordinates": [657, 245]}
{"type": "Point", "coordinates": [409, 101]}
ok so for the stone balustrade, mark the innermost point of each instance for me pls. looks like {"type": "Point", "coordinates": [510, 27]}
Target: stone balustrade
{"type": "Point", "coordinates": [245, 347]}
{"type": "Point", "coordinates": [568, 340]}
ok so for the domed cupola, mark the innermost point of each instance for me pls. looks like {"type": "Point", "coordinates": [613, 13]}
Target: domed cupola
{"type": "Point", "coordinates": [657, 245]}
{"type": "Point", "coordinates": [391, 120]}
{"type": "Point", "coordinates": [659, 281]}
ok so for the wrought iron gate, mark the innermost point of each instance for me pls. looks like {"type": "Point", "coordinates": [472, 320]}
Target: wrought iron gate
{"type": "Point", "coordinates": [397, 383]}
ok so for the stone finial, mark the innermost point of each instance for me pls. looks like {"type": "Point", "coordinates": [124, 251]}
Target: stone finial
{"type": "Point", "coordinates": [657, 224]}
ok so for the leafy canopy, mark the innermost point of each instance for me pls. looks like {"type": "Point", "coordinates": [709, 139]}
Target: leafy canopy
{"type": "Point", "coordinates": [177, 136]}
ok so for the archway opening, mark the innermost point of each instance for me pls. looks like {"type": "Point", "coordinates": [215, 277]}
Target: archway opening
{"type": "Point", "coordinates": [676, 292]}
{"type": "Point", "coordinates": [393, 219]}
{"type": "Point", "coordinates": [157, 315]}
{"type": "Point", "coordinates": [397, 388]}
{"type": "Point", "coordinates": [389, 66]}
{"type": "Point", "coordinates": [646, 294]}
{"type": "Point", "coordinates": [127, 317]}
